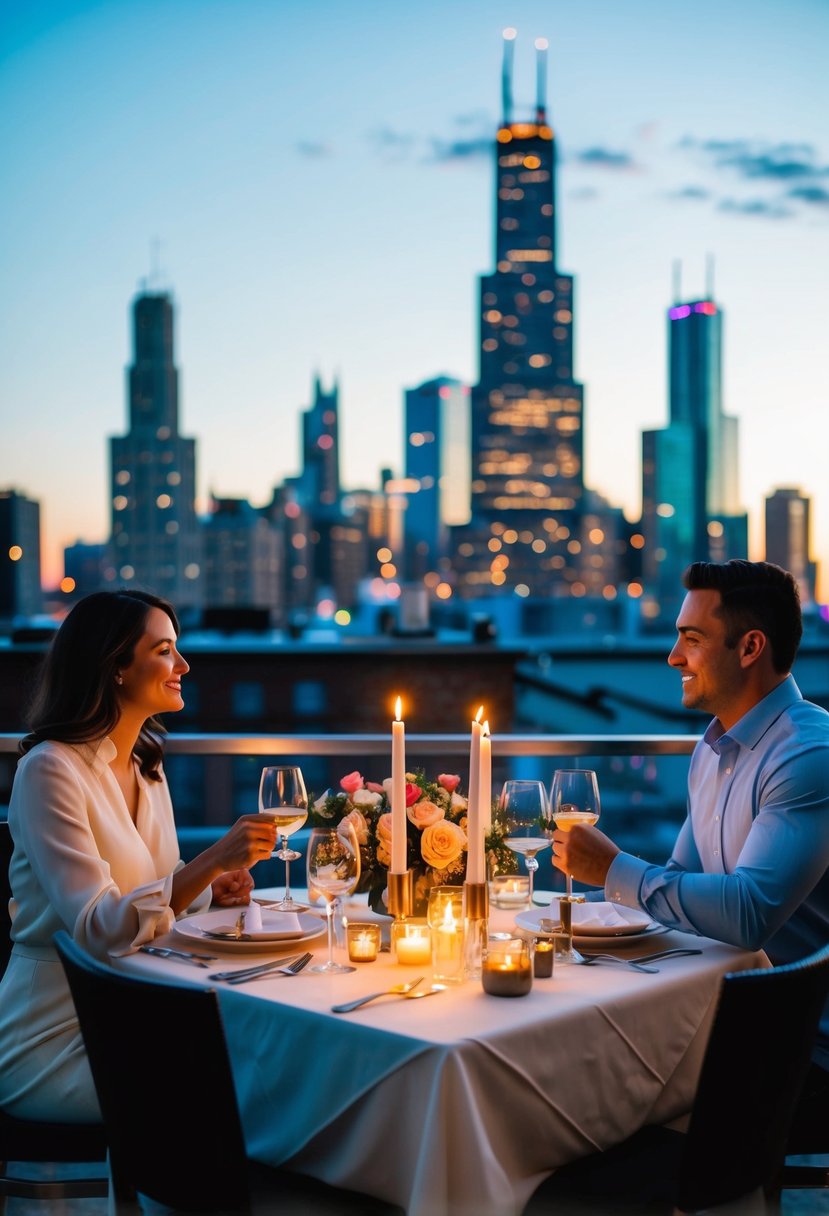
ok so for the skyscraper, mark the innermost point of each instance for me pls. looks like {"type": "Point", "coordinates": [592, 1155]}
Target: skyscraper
{"type": "Point", "coordinates": [690, 478]}
{"type": "Point", "coordinates": [20, 592]}
{"type": "Point", "coordinates": [437, 462]}
{"type": "Point", "coordinates": [527, 408]}
{"type": "Point", "coordinates": [155, 542]}
{"type": "Point", "coordinates": [789, 537]}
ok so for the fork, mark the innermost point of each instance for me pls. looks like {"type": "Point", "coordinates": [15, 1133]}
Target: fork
{"type": "Point", "coordinates": [266, 969]}
{"type": "Point", "coordinates": [640, 963]}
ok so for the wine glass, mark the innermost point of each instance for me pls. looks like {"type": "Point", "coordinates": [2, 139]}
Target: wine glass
{"type": "Point", "coordinates": [574, 798]}
{"type": "Point", "coordinates": [526, 811]}
{"type": "Point", "coordinates": [283, 798]}
{"type": "Point", "coordinates": [333, 870]}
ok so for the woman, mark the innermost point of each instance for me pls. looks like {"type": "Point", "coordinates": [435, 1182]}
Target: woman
{"type": "Point", "coordinates": [95, 847]}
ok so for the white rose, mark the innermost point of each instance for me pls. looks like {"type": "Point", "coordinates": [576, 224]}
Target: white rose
{"type": "Point", "coordinates": [459, 803]}
{"type": "Point", "coordinates": [366, 798]}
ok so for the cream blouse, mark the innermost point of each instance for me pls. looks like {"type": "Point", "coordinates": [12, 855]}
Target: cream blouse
{"type": "Point", "coordinates": [79, 863]}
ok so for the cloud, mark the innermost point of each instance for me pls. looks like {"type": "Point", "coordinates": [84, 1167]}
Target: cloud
{"type": "Point", "coordinates": [605, 158]}
{"type": "Point", "coordinates": [760, 207]}
{"type": "Point", "coordinates": [391, 144]}
{"type": "Point", "coordinates": [816, 196]}
{"type": "Point", "coordinates": [690, 194]}
{"type": "Point", "coordinates": [585, 194]}
{"type": "Point", "coordinates": [760, 159]}
{"type": "Point", "coordinates": [461, 149]}
{"type": "Point", "coordinates": [314, 150]}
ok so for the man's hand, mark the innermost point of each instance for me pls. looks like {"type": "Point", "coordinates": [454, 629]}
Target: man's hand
{"type": "Point", "coordinates": [584, 852]}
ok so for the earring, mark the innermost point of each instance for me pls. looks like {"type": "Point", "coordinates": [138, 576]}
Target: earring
{"type": "Point", "coordinates": [119, 679]}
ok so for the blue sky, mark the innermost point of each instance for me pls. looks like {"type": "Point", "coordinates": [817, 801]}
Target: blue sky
{"type": "Point", "coordinates": [316, 179]}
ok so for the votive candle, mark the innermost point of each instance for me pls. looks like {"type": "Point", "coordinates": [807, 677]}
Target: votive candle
{"type": "Point", "coordinates": [413, 945]}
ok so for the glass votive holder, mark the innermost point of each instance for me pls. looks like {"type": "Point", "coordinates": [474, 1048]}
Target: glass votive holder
{"type": "Point", "coordinates": [506, 968]}
{"type": "Point", "coordinates": [363, 942]}
{"type": "Point", "coordinates": [445, 917]}
{"type": "Point", "coordinates": [411, 942]}
{"type": "Point", "coordinates": [510, 891]}
{"type": "Point", "coordinates": [544, 949]}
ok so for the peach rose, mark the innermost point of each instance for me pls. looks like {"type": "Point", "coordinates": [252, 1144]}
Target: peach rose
{"type": "Point", "coordinates": [352, 782]}
{"type": "Point", "coordinates": [357, 821]}
{"type": "Point", "coordinates": [449, 781]}
{"type": "Point", "coordinates": [384, 831]}
{"type": "Point", "coordinates": [442, 843]}
{"type": "Point", "coordinates": [423, 813]}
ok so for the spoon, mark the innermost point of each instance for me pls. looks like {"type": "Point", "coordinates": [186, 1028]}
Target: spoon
{"type": "Point", "coordinates": [397, 990]}
{"type": "Point", "coordinates": [433, 991]}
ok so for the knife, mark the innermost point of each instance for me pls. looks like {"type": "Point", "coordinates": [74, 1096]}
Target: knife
{"type": "Point", "coordinates": [169, 952]}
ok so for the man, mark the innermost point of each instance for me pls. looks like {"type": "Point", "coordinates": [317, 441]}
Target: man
{"type": "Point", "coordinates": [751, 863]}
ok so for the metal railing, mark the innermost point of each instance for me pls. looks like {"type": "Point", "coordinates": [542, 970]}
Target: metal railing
{"type": "Point", "coordinates": [200, 744]}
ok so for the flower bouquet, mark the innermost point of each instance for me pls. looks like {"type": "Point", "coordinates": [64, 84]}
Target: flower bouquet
{"type": "Point", "coordinates": [436, 845]}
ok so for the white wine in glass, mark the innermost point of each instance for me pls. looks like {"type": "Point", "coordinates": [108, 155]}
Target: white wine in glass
{"type": "Point", "coordinates": [283, 799]}
{"type": "Point", "coordinates": [574, 798]}
{"type": "Point", "coordinates": [526, 811]}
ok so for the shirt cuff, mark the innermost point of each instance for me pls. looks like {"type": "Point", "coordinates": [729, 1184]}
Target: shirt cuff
{"type": "Point", "coordinates": [155, 916]}
{"type": "Point", "coordinates": [624, 880]}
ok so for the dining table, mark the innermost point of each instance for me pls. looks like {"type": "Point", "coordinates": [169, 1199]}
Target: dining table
{"type": "Point", "coordinates": [462, 1104]}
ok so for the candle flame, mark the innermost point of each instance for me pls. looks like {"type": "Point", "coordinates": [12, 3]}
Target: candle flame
{"type": "Point", "coordinates": [486, 728]}
{"type": "Point", "coordinates": [448, 918]}
{"type": "Point", "coordinates": [398, 709]}
{"type": "Point", "coordinates": [478, 714]}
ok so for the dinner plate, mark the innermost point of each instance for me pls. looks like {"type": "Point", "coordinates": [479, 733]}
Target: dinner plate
{"type": "Point", "coordinates": [203, 927]}
{"type": "Point", "coordinates": [597, 941]}
{"type": "Point", "coordinates": [626, 922]}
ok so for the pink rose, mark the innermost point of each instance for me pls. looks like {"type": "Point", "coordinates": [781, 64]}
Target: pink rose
{"type": "Point", "coordinates": [375, 788]}
{"type": "Point", "coordinates": [449, 781]}
{"type": "Point", "coordinates": [413, 792]}
{"type": "Point", "coordinates": [424, 812]}
{"type": "Point", "coordinates": [351, 782]}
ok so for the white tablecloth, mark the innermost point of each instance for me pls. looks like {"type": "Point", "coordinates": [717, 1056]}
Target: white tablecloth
{"type": "Point", "coordinates": [460, 1104]}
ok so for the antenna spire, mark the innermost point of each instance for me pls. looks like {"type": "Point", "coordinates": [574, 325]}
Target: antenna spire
{"type": "Point", "coordinates": [506, 75]}
{"type": "Point", "coordinates": [541, 45]}
{"type": "Point", "coordinates": [709, 276]}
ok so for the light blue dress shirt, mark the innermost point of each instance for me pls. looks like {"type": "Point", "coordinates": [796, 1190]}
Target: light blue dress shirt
{"type": "Point", "coordinates": [751, 863]}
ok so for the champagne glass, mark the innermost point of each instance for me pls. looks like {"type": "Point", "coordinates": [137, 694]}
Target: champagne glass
{"type": "Point", "coordinates": [282, 796]}
{"type": "Point", "coordinates": [574, 798]}
{"type": "Point", "coordinates": [526, 811]}
{"type": "Point", "coordinates": [333, 870]}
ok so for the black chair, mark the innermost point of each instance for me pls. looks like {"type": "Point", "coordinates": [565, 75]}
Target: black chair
{"type": "Point", "coordinates": [162, 1071]}
{"type": "Point", "coordinates": [755, 1064]}
{"type": "Point", "coordinates": [30, 1141]}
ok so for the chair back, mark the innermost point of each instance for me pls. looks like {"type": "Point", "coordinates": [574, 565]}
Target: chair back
{"type": "Point", "coordinates": [756, 1062]}
{"type": "Point", "coordinates": [6, 847]}
{"type": "Point", "coordinates": [159, 1060]}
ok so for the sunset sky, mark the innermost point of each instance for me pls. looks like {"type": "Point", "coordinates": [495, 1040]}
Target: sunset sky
{"type": "Point", "coordinates": [313, 181]}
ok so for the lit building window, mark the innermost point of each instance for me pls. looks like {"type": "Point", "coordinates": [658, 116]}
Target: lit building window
{"type": "Point", "coordinates": [665, 510]}
{"type": "Point", "coordinates": [174, 479]}
{"type": "Point", "coordinates": [163, 432]}
{"type": "Point", "coordinates": [596, 536]}
{"type": "Point", "coordinates": [15, 553]}
{"type": "Point", "coordinates": [122, 477]}
{"type": "Point", "coordinates": [192, 570]}
{"type": "Point", "coordinates": [171, 527]}
{"type": "Point", "coordinates": [120, 502]}
{"type": "Point", "coordinates": [163, 501]}
{"type": "Point", "coordinates": [443, 591]}
{"type": "Point", "coordinates": [384, 555]}
{"type": "Point", "coordinates": [127, 572]}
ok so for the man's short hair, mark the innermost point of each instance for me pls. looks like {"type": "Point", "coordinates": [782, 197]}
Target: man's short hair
{"type": "Point", "coordinates": [755, 595]}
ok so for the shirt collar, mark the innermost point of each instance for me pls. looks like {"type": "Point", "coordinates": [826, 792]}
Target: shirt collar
{"type": "Point", "coordinates": [100, 754]}
{"type": "Point", "coordinates": [749, 730]}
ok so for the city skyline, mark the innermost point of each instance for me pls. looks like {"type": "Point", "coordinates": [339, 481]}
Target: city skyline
{"type": "Point", "coordinates": [336, 224]}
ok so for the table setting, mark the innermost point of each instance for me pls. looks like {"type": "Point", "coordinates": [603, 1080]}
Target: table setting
{"type": "Point", "coordinates": [549, 1009]}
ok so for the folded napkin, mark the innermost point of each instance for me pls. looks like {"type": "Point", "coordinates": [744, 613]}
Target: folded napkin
{"type": "Point", "coordinates": [597, 916]}
{"type": "Point", "coordinates": [253, 917]}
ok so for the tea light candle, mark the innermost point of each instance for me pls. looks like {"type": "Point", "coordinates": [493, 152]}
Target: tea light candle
{"type": "Point", "coordinates": [509, 892]}
{"type": "Point", "coordinates": [543, 958]}
{"type": "Point", "coordinates": [363, 942]}
{"type": "Point", "coordinates": [507, 972]}
{"type": "Point", "coordinates": [413, 945]}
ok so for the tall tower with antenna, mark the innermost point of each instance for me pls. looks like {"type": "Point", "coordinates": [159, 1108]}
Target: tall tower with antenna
{"type": "Point", "coordinates": [528, 494]}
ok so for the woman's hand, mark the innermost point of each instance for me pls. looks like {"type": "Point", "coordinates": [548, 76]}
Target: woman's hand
{"type": "Point", "coordinates": [232, 888]}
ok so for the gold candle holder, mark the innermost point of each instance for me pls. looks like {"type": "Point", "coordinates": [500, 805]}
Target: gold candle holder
{"type": "Point", "coordinates": [401, 894]}
{"type": "Point", "coordinates": [475, 927]}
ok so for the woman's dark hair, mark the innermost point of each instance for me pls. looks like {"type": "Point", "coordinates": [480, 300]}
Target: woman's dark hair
{"type": "Point", "coordinates": [755, 595]}
{"type": "Point", "coordinates": [74, 699]}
